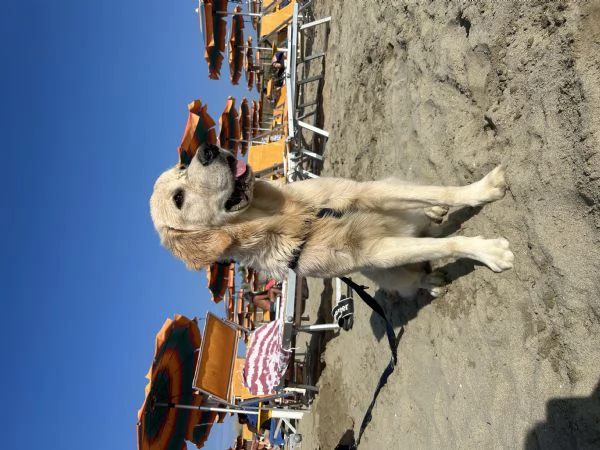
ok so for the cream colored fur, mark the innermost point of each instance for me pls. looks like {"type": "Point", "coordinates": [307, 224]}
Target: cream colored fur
{"type": "Point", "coordinates": [380, 232]}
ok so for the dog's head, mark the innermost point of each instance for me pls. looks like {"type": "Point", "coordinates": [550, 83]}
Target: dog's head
{"type": "Point", "coordinates": [190, 205]}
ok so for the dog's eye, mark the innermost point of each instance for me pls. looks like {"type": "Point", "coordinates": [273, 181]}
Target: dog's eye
{"type": "Point", "coordinates": [178, 198]}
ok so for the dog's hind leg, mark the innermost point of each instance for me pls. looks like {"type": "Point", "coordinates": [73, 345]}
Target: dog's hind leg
{"type": "Point", "coordinates": [436, 213]}
{"type": "Point", "coordinates": [407, 280]}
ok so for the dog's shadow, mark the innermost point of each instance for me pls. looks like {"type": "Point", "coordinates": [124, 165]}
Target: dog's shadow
{"type": "Point", "coordinates": [399, 310]}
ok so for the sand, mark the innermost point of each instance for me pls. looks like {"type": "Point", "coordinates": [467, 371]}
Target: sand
{"type": "Point", "coordinates": [441, 93]}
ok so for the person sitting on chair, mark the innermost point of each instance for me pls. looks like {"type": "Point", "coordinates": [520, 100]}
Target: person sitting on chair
{"type": "Point", "coordinates": [278, 68]}
{"type": "Point", "coordinates": [265, 299]}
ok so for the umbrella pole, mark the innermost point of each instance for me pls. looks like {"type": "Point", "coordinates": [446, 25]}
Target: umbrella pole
{"type": "Point", "coordinates": [226, 13]}
{"type": "Point", "coordinates": [264, 48]}
{"type": "Point", "coordinates": [254, 411]}
{"type": "Point", "coordinates": [208, 408]}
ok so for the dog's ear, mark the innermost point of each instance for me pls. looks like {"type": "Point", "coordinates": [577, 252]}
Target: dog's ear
{"type": "Point", "coordinates": [197, 249]}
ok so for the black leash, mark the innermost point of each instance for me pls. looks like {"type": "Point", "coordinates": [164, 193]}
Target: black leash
{"type": "Point", "coordinates": [393, 341]}
{"type": "Point", "coordinates": [370, 301]}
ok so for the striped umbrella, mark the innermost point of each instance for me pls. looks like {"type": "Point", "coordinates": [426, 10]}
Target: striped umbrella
{"type": "Point", "coordinates": [218, 275]}
{"type": "Point", "coordinates": [245, 125]}
{"type": "Point", "coordinates": [230, 133]}
{"type": "Point", "coordinates": [236, 45]}
{"type": "Point", "coordinates": [249, 64]}
{"type": "Point", "coordinates": [199, 129]}
{"type": "Point", "coordinates": [266, 360]}
{"type": "Point", "coordinates": [161, 426]}
{"type": "Point", "coordinates": [213, 13]}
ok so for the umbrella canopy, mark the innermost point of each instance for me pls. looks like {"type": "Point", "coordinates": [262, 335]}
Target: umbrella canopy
{"type": "Point", "coordinates": [230, 133]}
{"type": "Point", "coordinates": [245, 125]}
{"type": "Point", "coordinates": [170, 381]}
{"type": "Point", "coordinates": [249, 64]}
{"type": "Point", "coordinates": [236, 45]}
{"type": "Point", "coordinates": [219, 275]}
{"type": "Point", "coordinates": [213, 13]}
{"type": "Point", "coordinates": [199, 129]}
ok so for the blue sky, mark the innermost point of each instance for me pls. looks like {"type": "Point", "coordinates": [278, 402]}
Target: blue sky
{"type": "Point", "coordinates": [93, 108]}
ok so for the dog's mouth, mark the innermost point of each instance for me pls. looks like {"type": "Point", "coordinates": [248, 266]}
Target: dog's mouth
{"type": "Point", "coordinates": [242, 175]}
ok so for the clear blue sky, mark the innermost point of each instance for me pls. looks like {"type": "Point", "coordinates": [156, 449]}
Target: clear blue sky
{"type": "Point", "coordinates": [93, 108]}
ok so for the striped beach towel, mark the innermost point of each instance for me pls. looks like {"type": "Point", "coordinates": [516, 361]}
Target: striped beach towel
{"type": "Point", "coordinates": [266, 360]}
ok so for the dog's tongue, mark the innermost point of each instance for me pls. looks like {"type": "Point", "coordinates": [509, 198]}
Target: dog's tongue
{"type": "Point", "coordinates": [240, 168]}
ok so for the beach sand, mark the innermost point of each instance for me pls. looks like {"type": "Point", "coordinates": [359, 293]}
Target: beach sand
{"type": "Point", "coordinates": [441, 93]}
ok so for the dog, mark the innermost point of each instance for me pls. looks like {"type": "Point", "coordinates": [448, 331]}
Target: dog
{"type": "Point", "coordinates": [215, 210]}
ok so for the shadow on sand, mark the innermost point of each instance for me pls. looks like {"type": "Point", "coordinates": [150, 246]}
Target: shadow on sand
{"type": "Point", "coordinates": [571, 423]}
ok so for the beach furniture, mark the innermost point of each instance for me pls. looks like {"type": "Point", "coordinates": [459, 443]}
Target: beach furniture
{"type": "Point", "coordinates": [245, 125]}
{"type": "Point", "coordinates": [230, 132]}
{"type": "Point", "coordinates": [236, 45]}
{"type": "Point", "coordinates": [218, 277]}
{"type": "Point", "coordinates": [212, 15]}
{"type": "Point", "coordinates": [220, 371]}
{"type": "Point", "coordinates": [276, 19]}
{"type": "Point", "coordinates": [267, 159]}
{"type": "Point", "coordinates": [161, 424]}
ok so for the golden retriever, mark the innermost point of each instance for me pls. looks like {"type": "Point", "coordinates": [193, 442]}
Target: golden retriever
{"type": "Point", "coordinates": [215, 210]}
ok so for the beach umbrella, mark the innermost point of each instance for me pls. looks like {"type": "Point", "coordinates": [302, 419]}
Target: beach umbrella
{"type": "Point", "coordinates": [249, 63]}
{"type": "Point", "coordinates": [218, 275]}
{"type": "Point", "coordinates": [258, 73]}
{"type": "Point", "coordinates": [236, 45]}
{"type": "Point", "coordinates": [212, 21]}
{"type": "Point", "coordinates": [254, 117]}
{"type": "Point", "coordinates": [230, 133]}
{"type": "Point", "coordinates": [259, 111]}
{"type": "Point", "coordinates": [199, 129]}
{"type": "Point", "coordinates": [161, 426]}
{"type": "Point", "coordinates": [254, 8]}
{"type": "Point", "coordinates": [245, 125]}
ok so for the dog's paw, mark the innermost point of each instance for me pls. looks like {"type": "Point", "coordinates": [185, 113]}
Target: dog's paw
{"type": "Point", "coordinates": [436, 213]}
{"type": "Point", "coordinates": [493, 186]}
{"type": "Point", "coordinates": [435, 284]}
{"type": "Point", "coordinates": [495, 253]}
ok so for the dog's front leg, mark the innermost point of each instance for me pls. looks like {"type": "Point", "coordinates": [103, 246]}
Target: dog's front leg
{"type": "Point", "coordinates": [397, 251]}
{"type": "Point", "coordinates": [391, 194]}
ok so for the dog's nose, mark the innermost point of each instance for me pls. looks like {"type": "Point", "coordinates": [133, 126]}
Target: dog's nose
{"type": "Point", "coordinates": [207, 153]}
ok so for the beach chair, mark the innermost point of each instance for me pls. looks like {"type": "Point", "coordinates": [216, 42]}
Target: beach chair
{"type": "Point", "coordinates": [275, 20]}
{"type": "Point", "coordinates": [267, 159]}
{"type": "Point", "coordinates": [217, 379]}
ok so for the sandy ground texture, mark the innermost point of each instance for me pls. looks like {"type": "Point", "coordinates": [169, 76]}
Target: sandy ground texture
{"type": "Point", "coordinates": [441, 92]}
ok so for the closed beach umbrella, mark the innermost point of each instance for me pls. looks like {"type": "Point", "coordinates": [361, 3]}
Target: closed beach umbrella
{"type": "Point", "coordinates": [161, 426]}
{"type": "Point", "coordinates": [213, 13]}
{"type": "Point", "coordinates": [230, 133]}
{"type": "Point", "coordinates": [249, 64]}
{"type": "Point", "coordinates": [254, 117]}
{"type": "Point", "coordinates": [199, 129]}
{"type": "Point", "coordinates": [236, 46]}
{"type": "Point", "coordinates": [254, 7]}
{"type": "Point", "coordinates": [258, 73]}
{"type": "Point", "coordinates": [218, 275]}
{"type": "Point", "coordinates": [245, 125]}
